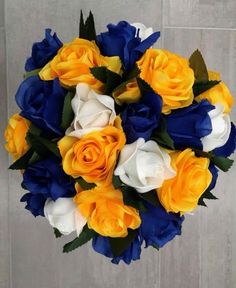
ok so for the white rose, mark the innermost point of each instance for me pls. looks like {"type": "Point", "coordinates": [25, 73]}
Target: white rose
{"type": "Point", "coordinates": [92, 111]}
{"type": "Point", "coordinates": [143, 31]}
{"type": "Point", "coordinates": [64, 215]}
{"type": "Point", "coordinates": [221, 127]}
{"type": "Point", "coordinates": [144, 166]}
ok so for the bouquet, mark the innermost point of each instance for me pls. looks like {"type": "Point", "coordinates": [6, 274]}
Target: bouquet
{"type": "Point", "coordinates": [117, 140]}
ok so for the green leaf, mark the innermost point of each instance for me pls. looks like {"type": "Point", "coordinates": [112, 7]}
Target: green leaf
{"type": "Point", "coordinates": [31, 73]}
{"type": "Point", "coordinates": [131, 198]}
{"type": "Point", "coordinates": [155, 247]}
{"type": "Point", "coordinates": [22, 163]}
{"type": "Point", "coordinates": [151, 197]}
{"type": "Point", "coordinates": [198, 65]}
{"type": "Point", "coordinates": [116, 182]}
{"type": "Point", "coordinates": [133, 73]}
{"type": "Point", "coordinates": [67, 112]}
{"type": "Point", "coordinates": [119, 245]}
{"type": "Point", "coordinates": [221, 162]}
{"type": "Point", "coordinates": [34, 130]}
{"type": "Point", "coordinates": [144, 86]}
{"type": "Point", "coordinates": [85, 185]}
{"type": "Point", "coordinates": [200, 87]}
{"type": "Point", "coordinates": [57, 233]}
{"type": "Point", "coordinates": [206, 195]}
{"type": "Point", "coordinates": [161, 135]}
{"type": "Point", "coordinates": [42, 146]}
{"type": "Point", "coordinates": [85, 236]}
{"type": "Point", "coordinates": [87, 28]}
{"type": "Point", "coordinates": [110, 79]}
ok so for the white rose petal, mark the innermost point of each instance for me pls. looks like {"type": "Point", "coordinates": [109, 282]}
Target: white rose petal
{"type": "Point", "coordinates": [144, 165]}
{"type": "Point", "coordinates": [64, 215]}
{"type": "Point", "coordinates": [142, 31]}
{"type": "Point", "coordinates": [92, 111]}
{"type": "Point", "coordinates": [221, 127]}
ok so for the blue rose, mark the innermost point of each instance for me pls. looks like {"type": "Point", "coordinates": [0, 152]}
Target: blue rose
{"type": "Point", "coordinates": [122, 40]}
{"type": "Point", "coordinates": [44, 51]}
{"type": "Point", "coordinates": [229, 147]}
{"type": "Point", "coordinates": [42, 103]}
{"type": "Point", "coordinates": [214, 171]}
{"type": "Point", "coordinates": [159, 227]}
{"type": "Point", "coordinates": [188, 125]}
{"type": "Point", "coordinates": [45, 179]}
{"type": "Point", "coordinates": [140, 119]}
{"type": "Point", "coordinates": [102, 245]}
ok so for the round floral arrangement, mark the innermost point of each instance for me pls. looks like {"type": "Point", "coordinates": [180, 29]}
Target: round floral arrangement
{"type": "Point", "coordinates": [117, 140]}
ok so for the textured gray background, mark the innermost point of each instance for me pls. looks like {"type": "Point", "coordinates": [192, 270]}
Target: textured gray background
{"type": "Point", "coordinates": [205, 255]}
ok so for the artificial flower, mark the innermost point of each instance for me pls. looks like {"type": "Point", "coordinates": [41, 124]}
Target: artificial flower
{"type": "Point", "coordinates": [44, 51]}
{"type": "Point", "coordinates": [123, 40]}
{"type": "Point", "coordinates": [94, 156]}
{"type": "Point", "coordinates": [218, 94]}
{"type": "Point", "coordinates": [221, 128]}
{"type": "Point", "coordinates": [142, 31]}
{"type": "Point", "coordinates": [170, 76]}
{"type": "Point", "coordinates": [229, 147]}
{"type": "Point", "coordinates": [127, 93]}
{"type": "Point", "coordinates": [64, 215]}
{"type": "Point", "coordinates": [140, 119]}
{"type": "Point", "coordinates": [92, 111]}
{"type": "Point", "coordinates": [15, 134]}
{"type": "Point", "coordinates": [102, 245]}
{"type": "Point", "coordinates": [144, 165]}
{"type": "Point", "coordinates": [187, 126]}
{"type": "Point", "coordinates": [182, 192]}
{"type": "Point", "coordinates": [159, 227]}
{"type": "Point", "coordinates": [105, 211]}
{"type": "Point", "coordinates": [37, 98]}
{"type": "Point", "coordinates": [45, 179]}
{"type": "Point", "coordinates": [73, 62]}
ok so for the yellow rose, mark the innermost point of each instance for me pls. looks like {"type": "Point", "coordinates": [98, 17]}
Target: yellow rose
{"type": "Point", "coordinates": [72, 62]}
{"type": "Point", "coordinates": [181, 193]}
{"type": "Point", "coordinates": [170, 76]}
{"type": "Point", "coordinates": [15, 134]}
{"type": "Point", "coordinates": [94, 156]}
{"type": "Point", "coordinates": [105, 211]}
{"type": "Point", "coordinates": [129, 93]}
{"type": "Point", "coordinates": [218, 93]}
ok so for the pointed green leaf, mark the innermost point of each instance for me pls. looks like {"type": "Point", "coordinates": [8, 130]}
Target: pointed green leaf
{"type": "Point", "coordinates": [22, 162]}
{"type": "Point", "coordinates": [31, 73]}
{"type": "Point", "coordinates": [200, 87]}
{"type": "Point", "coordinates": [85, 185]}
{"type": "Point", "coordinates": [221, 162]}
{"type": "Point", "coordinates": [87, 28]}
{"type": "Point", "coordinates": [131, 198]}
{"type": "Point", "coordinates": [67, 112]}
{"type": "Point", "coordinates": [151, 197]}
{"type": "Point", "coordinates": [57, 233]}
{"type": "Point", "coordinates": [116, 182]}
{"type": "Point", "coordinates": [144, 86]}
{"type": "Point", "coordinates": [198, 65]}
{"type": "Point", "coordinates": [85, 236]}
{"type": "Point", "coordinates": [119, 245]}
{"type": "Point", "coordinates": [161, 135]}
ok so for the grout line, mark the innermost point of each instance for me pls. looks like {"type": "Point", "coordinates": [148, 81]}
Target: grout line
{"type": "Point", "coordinates": [199, 28]}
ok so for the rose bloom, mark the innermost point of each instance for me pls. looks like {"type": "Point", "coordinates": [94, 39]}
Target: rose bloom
{"type": "Point", "coordinates": [15, 134]}
{"type": "Point", "coordinates": [218, 94]}
{"type": "Point", "coordinates": [181, 193]}
{"type": "Point", "coordinates": [105, 211]}
{"type": "Point", "coordinates": [93, 157]}
{"type": "Point", "coordinates": [129, 93]}
{"type": "Point", "coordinates": [73, 62]}
{"type": "Point", "coordinates": [170, 76]}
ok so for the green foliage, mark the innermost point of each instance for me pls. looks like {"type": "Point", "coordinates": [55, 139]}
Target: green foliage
{"type": "Point", "coordinates": [32, 73]}
{"type": "Point", "coordinates": [144, 86]}
{"type": "Point", "coordinates": [206, 195]}
{"type": "Point", "coordinates": [87, 28]}
{"type": "Point", "coordinates": [161, 135]}
{"type": "Point", "coordinates": [200, 87]}
{"type": "Point", "coordinates": [110, 79]}
{"type": "Point", "coordinates": [85, 185]}
{"type": "Point", "coordinates": [67, 112]}
{"type": "Point", "coordinates": [131, 198]}
{"type": "Point", "coordinates": [22, 163]}
{"type": "Point", "coordinates": [116, 182]}
{"type": "Point", "coordinates": [57, 233]}
{"type": "Point", "coordinates": [119, 245]}
{"type": "Point", "coordinates": [198, 65]}
{"type": "Point", "coordinates": [151, 197]}
{"type": "Point", "coordinates": [85, 236]}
